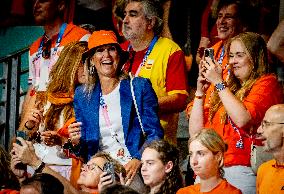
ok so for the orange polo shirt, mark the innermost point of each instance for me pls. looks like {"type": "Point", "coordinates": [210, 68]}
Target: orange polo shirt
{"type": "Point", "coordinates": [270, 178]}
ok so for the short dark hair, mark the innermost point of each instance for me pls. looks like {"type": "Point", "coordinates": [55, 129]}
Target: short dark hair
{"type": "Point", "coordinates": [244, 12]}
{"type": "Point", "coordinates": [152, 9]}
{"type": "Point", "coordinates": [118, 189]}
{"type": "Point", "coordinates": [47, 183]}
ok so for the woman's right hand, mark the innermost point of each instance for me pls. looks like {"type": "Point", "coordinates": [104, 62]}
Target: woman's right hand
{"type": "Point", "coordinates": [74, 131]}
{"type": "Point", "coordinates": [19, 172]}
{"type": "Point", "coordinates": [202, 83]}
{"type": "Point", "coordinates": [105, 180]}
{"type": "Point", "coordinates": [34, 117]}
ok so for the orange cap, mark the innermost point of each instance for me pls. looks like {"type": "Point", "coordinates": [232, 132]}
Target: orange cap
{"type": "Point", "coordinates": [102, 37]}
{"type": "Point", "coordinates": [99, 38]}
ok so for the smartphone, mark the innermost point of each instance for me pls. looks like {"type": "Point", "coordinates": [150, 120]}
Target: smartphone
{"type": "Point", "coordinates": [209, 52]}
{"type": "Point", "coordinates": [109, 168]}
{"type": "Point", "coordinates": [21, 134]}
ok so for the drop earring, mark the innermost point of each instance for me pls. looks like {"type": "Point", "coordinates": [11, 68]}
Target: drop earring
{"type": "Point", "coordinates": [92, 70]}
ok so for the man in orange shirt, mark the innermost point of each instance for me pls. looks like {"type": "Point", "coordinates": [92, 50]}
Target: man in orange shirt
{"type": "Point", "coordinates": [270, 175]}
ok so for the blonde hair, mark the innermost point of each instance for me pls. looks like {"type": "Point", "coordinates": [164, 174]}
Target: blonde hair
{"type": "Point", "coordinates": [118, 168]}
{"type": "Point", "coordinates": [213, 142]}
{"type": "Point", "coordinates": [255, 48]}
{"type": "Point", "coordinates": [63, 79]}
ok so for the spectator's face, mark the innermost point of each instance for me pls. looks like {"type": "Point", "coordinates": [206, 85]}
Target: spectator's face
{"type": "Point", "coordinates": [29, 190]}
{"type": "Point", "coordinates": [135, 23]}
{"type": "Point", "coordinates": [271, 131]}
{"type": "Point", "coordinates": [153, 170]}
{"type": "Point", "coordinates": [45, 11]}
{"type": "Point", "coordinates": [90, 173]}
{"type": "Point", "coordinates": [106, 61]}
{"type": "Point", "coordinates": [202, 161]}
{"type": "Point", "coordinates": [227, 24]}
{"type": "Point", "coordinates": [240, 61]}
{"type": "Point", "coordinates": [81, 75]}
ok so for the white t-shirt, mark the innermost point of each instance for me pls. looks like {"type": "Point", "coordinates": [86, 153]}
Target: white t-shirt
{"type": "Point", "coordinates": [51, 154]}
{"type": "Point", "coordinates": [111, 134]}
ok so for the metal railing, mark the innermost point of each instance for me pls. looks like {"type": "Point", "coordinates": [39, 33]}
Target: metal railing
{"type": "Point", "coordinates": [10, 101]}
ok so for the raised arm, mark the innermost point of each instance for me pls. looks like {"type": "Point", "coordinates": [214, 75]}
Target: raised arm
{"type": "Point", "coordinates": [196, 118]}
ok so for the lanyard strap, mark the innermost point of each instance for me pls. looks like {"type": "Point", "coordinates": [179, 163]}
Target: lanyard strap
{"type": "Point", "coordinates": [220, 60]}
{"type": "Point", "coordinates": [148, 52]}
{"type": "Point", "coordinates": [59, 38]}
{"type": "Point", "coordinates": [240, 142]}
{"type": "Point", "coordinates": [104, 109]}
{"type": "Point", "coordinates": [107, 119]}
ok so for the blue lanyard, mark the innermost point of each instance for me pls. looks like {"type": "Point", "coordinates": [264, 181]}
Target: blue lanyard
{"type": "Point", "coordinates": [148, 52]}
{"type": "Point", "coordinates": [59, 38]}
{"type": "Point", "coordinates": [220, 60]}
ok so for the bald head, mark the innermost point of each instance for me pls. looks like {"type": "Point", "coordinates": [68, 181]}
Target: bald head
{"type": "Point", "coordinates": [275, 113]}
{"type": "Point", "coordinates": [272, 129]}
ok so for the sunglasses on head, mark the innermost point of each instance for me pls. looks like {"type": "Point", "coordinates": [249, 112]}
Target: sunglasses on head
{"type": "Point", "coordinates": [46, 49]}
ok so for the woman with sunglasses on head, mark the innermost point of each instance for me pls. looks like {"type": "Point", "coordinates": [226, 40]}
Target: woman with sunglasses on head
{"type": "Point", "coordinates": [113, 112]}
{"type": "Point", "coordinates": [237, 105]}
{"type": "Point", "coordinates": [206, 151]}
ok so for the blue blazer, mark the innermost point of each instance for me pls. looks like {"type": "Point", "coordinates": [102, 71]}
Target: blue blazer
{"type": "Point", "coordinates": [87, 112]}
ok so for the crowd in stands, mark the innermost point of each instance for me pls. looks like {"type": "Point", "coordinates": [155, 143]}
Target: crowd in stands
{"type": "Point", "coordinates": [101, 115]}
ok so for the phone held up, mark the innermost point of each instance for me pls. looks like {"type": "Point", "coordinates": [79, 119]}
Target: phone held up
{"type": "Point", "coordinates": [109, 168]}
{"type": "Point", "coordinates": [21, 134]}
{"type": "Point", "coordinates": [209, 52]}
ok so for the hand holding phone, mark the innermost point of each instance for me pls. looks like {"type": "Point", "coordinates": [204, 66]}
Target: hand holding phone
{"type": "Point", "coordinates": [21, 134]}
{"type": "Point", "coordinates": [109, 168]}
{"type": "Point", "coordinates": [209, 52]}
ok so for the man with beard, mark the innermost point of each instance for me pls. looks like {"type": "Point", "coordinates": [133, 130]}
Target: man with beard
{"type": "Point", "coordinates": [157, 58]}
{"type": "Point", "coordinates": [270, 175]}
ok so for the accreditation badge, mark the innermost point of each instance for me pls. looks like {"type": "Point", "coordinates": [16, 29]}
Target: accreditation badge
{"type": "Point", "coordinates": [149, 64]}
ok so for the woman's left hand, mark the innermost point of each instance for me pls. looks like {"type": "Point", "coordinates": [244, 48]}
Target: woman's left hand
{"type": "Point", "coordinates": [131, 169]}
{"type": "Point", "coordinates": [213, 72]}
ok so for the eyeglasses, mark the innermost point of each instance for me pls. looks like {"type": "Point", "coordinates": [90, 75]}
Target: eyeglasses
{"type": "Point", "coordinates": [268, 123]}
{"type": "Point", "coordinates": [89, 167]}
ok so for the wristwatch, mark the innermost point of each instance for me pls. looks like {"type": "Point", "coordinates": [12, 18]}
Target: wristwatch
{"type": "Point", "coordinates": [220, 86]}
{"type": "Point", "coordinates": [40, 168]}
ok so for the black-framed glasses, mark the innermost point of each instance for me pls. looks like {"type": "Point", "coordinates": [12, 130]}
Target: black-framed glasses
{"type": "Point", "coordinates": [265, 123]}
{"type": "Point", "coordinates": [89, 167]}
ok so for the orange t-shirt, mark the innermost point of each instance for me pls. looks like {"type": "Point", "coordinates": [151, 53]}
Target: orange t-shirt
{"type": "Point", "coordinates": [270, 178]}
{"type": "Point", "coordinates": [256, 102]}
{"type": "Point", "coordinates": [223, 187]}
